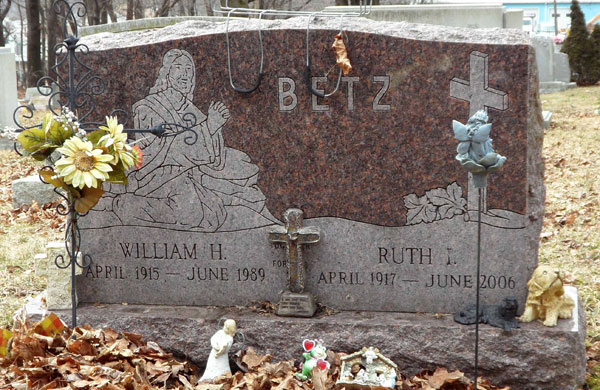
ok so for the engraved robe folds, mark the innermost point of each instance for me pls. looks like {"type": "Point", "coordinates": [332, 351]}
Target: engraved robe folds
{"type": "Point", "coordinates": [190, 180]}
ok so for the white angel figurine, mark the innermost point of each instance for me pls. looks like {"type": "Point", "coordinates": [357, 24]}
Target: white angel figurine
{"type": "Point", "coordinates": [218, 360]}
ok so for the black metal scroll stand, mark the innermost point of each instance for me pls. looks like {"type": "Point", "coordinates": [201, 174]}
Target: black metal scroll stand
{"type": "Point", "coordinates": [78, 93]}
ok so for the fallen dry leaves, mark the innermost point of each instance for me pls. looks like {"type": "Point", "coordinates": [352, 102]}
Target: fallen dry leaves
{"type": "Point", "coordinates": [89, 358]}
{"type": "Point", "coordinates": [103, 359]}
{"type": "Point", "coordinates": [442, 379]}
{"type": "Point", "coordinates": [13, 167]}
{"type": "Point", "coordinates": [341, 54]}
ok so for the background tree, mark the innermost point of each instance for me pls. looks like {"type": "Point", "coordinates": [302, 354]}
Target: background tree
{"type": "Point", "coordinates": [53, 31]}
{"type": "Point", "coordinates": [4, 8]}
{"type": "Point", "coordinates": [34, 39]}
{"type": "Point", "coordinates": [585, 68]}
{"type": "Point", "coordinates": [165, 7]}
{"type": "Point", "coordinates": [98, 12]}
{"type": "Point", "coordinates": [134, 9]}
{"type": "Point", "coordinates": [595, 37]}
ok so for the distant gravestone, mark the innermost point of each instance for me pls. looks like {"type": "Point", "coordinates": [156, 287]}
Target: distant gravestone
{"type": "Point", "coordinates": [562, 71]}
{"type": "Point", "coordinates": [372, 166]}
{"type": "Point", "coordinates": [457, 15]}
{"type": "Point", "coordinates": [8, 97]}
{"type": "Point", "coordinates": [29, 189]}
{"type": "Point", "coordinates": [553, 66]}
{"type": "Point", "coordinates": [544, 53]}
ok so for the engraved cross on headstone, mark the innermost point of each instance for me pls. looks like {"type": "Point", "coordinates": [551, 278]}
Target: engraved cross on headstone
{"type": "Point", "coordinates": [476, 91]}
{"type": "Point", "coordinates": [480, 96]}
{"type": "Point", "coordinates": [294, 235]}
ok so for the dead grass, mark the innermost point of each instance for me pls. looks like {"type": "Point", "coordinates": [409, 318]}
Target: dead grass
{"type": "Point", "coordinates": [570, 238]}
{"type": "Point", "coordinates": [18, 245]}
{"type": "Point", "coordinates": [571, 234]}
{"type": "Point", "coordinates": [22, 235]}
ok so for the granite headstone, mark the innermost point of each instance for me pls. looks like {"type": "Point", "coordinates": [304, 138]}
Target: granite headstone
{"type": "Point", "coordinates": [372, 166]}
{"type": "Point", "coordinates": [8, 97]}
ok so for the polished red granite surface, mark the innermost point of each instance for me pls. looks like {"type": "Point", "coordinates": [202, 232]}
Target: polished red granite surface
{"type": "Point", "coordinates": [355, 164]}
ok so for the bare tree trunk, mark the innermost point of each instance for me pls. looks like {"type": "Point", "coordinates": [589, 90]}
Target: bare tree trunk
{"type": "Point", "coordinates": [163, 10]}
{"type": "Point", "coordinates": [208, 6]}
{"type": "Point", "coordinates": [22, 33]}
{"type": "Point", "coordinates": [53, 31]}
{"type": "Point", "coordinates": [34, 60]}
{"type": "Point", "coordinates": [165, 7]}
{"type": "Point", "coordinates": [129, 9]}
{"type": "Point", "coordinates": [43, 32]}
{"type": "Point", "coordinates": [108, 8]}
{"type": "Point", "coordinates": [4, 8]}
{"type": "Point", "coordinates": [93, 12]}
{"type": "Point", "coordinates": [192, 8]}
{"type": "Point", "coordinates": [138, 10]}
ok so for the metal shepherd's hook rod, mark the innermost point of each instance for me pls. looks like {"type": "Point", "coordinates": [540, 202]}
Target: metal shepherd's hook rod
{"type": "Point", "coordinates": [262, 54]}
{"type": "Point", "coordinates": [479, 207]}
{"type": "Point", "coordinates": [307, 72]}
{"type": "Point", "coordinates": [475, 154]}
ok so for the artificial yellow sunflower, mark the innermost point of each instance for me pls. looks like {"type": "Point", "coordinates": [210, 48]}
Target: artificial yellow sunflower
{"type": "Point", "coordinates": [118, 140]}
{"type": "Point", "coordinates": [81, 164]}
{"type": "Point", "coordinates": [114, 132]}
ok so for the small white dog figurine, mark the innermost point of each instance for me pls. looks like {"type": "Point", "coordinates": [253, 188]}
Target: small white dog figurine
{"type": "Point", "coordinates": [546, 299]}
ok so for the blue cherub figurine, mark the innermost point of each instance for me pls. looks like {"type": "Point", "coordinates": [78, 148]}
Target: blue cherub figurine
{"type": "Point", "coordinates": [475, 152]}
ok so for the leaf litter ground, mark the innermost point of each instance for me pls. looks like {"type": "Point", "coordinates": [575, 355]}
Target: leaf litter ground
{"type": "Point", "coordinates": [103, 359]}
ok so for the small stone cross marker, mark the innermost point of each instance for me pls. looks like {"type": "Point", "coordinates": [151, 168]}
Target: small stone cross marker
{"type": "Point", "coordinates": [294, 235]}
{"type": "Point", "coordinates": [476, 91]}
{"type": "Point", "coordinates": [295, 302]}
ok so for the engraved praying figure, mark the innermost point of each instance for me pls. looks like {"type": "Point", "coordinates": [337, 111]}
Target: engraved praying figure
{"type": "Point", "coordinates": [198, 186]}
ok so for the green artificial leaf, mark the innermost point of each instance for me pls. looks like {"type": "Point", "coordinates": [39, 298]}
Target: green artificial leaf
{"type": "Point", "coordinates": [49, 176]}
{"type": "Point", "coordinates": [95, 136]}
{"type": "Point", "coordinates": [35, 144]}
{"type": "Point", "coordinates": [88, 199]}
{"type": "Point", "coordinates": [56, 134]}
{"type": "Point", "coordinates": [117, 175]}
{"type": "Point", "coordinates": [57, 181]}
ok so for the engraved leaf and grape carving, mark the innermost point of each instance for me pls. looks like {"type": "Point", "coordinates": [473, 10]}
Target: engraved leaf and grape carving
{"type": "Point", "coordinates": [435, 205]}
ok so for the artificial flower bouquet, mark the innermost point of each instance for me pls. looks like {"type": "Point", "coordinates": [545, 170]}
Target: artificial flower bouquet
{"type": "Point", "coordinates": [86, 159]}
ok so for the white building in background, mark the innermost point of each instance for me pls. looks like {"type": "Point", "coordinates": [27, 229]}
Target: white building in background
{"type": "Point", "coordinates": [540, 13]}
